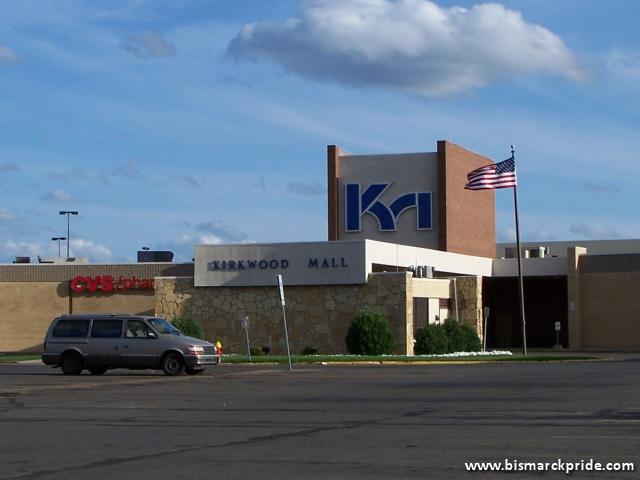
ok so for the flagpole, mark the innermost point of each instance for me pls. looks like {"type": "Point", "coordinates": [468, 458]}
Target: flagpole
{"type": "Point", "coordinates": [519, 254]}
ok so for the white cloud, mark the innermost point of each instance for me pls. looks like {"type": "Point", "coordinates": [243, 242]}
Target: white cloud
{"type": "Point", "coordinates": [10, 249]}
{"type": "Point", "coordinates": [129, 170]}
{"type": "Point", "coordinates": [213, 233]}
{"type": "Point", "coordinates": [505, 235]}
{"type": "Point", "coordinates": [6, 215]}
{"type": "Point", "coordinates": [7, 55]}
{"type": "Point", "coordinates": [624, 62]}
{"type": "Point", "coordinates": [182, 248]}
{"type": "Point", "coordinates": [58, 196]}
{"type": "Point", "coordinates": [593, 231]}
{"type": "Point", "coordinates": [86, 248]}
{"type": "Point", "coordinates": [408, 45]}
{"type": "Point", "coordinates": [218, 232]}
{"type": "Point", "coordinates": [148, 45]}
{"type": "Point", "coordinates": [306, 189]}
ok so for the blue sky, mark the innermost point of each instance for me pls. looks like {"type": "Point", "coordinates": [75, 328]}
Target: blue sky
{"type": "Point", "coordinates": [168, 124]}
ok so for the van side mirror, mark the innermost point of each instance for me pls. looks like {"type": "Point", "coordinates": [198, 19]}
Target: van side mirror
{"type": "Point", "coordinates": [152, 335]}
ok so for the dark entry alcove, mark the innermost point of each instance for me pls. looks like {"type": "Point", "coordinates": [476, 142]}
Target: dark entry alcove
{"type": "Point", "coordinates": [545, 303]}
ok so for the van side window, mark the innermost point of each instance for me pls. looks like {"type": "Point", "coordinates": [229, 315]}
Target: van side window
{"type": "Point", "coordinates": [106, 329]}
{"type": "Point", "coordinates": [71, 328]}
{"type": "Point", "coordinates": [137, 329]}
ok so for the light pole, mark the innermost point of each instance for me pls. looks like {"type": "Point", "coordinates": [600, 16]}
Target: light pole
{"type": "Point", "coordinates": [58, 239]}
{"type": "Point", "coordinates": [68, 214]}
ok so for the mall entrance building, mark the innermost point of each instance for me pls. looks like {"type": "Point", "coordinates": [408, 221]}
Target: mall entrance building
{"type": "Point", "coordinates": [404, 238]}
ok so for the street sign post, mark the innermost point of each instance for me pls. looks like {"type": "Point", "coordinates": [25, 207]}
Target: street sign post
{"type": "Point", "coordinates": [284, 318]}
{"type": "Point", "coordinates": [245, 325]}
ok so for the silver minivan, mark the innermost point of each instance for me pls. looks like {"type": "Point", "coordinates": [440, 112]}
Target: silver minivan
{"type": "Point", "coordinates": [99, 342]}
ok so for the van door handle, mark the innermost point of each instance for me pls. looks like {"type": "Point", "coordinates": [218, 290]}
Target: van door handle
{"type": "Point", "coordinates": [115, 347]}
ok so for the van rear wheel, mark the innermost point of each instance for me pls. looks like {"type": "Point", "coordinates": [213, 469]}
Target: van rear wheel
{"type": "Point", "coordinates": [172, 364]}
{"type": "Point", "coordinates": [71, 364]}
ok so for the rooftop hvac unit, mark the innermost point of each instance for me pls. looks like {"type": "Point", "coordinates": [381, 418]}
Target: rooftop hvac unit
{"type": "Point", "coordinates": [425, 271]}
{"type": "Point", "coordinates": [510, 252]}
{"type": "Point", "coordinates": [151, 256]}
{"type": "Point", "coordinates": [536, 252]}
{"type": "Point", "coordinates": [22, 260]}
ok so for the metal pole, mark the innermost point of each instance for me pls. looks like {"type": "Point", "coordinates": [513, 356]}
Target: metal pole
{"type": "Point", "coordinates": [455, 291]}
{"type": "Point", "coordinates": [58, 239]}
{"type": "Point", "coordinates": [284, 318]}
{"type": "Point", "coordinates": [244, 322]}
{"type": "Point", "coordinates": [286, 335]}
{"type": "Point", "coordinates": [68, 234]}
{"type": "Point", "coordinates": [521, 290]}
{"type": "Point", "coordinates": [246, 331]}
{"type": "Point", "coordinates": [68, 214]}
{"type": "Point", "coordinates": [484, 329]}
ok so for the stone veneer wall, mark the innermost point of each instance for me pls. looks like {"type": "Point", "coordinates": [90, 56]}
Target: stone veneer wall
{"type": "Point", "coordinates": [317, 316]}
{"type": "Point", "coordinates": [469, 302]}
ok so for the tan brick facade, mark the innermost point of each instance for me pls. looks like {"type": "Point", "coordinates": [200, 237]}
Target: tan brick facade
{"type": "Point", "coordinates": [614, 323]}
{"type": "Point", "coordinates": [466, 217]}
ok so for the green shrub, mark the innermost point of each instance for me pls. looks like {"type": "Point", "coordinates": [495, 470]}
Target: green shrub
{"type": "Point", "coordinates": [189, 327]}
{"type": "Point", "coordinates": [451, 337]}
{"type": "Point", "coordinates": [431, 340]}
{"type": "Point", "coordinates": [472, 340]}
{"type": "Point", "coordinates": [370, 334]}
{"type": "Point", "coordinates": [256, 351]}
{"type": "Point", "coordinates": [455, 335]}
{"type": "Point", "coordinates": [309, 351]}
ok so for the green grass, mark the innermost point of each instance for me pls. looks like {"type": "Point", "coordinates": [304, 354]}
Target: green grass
{"type": "Point", "coordinates": [315, 359]}
{"type": "Point", "coordinates": [17, 358]}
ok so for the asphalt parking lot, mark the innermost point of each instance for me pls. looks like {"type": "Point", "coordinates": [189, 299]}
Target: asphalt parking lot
{"type": "Point", "coordinates": [320, 422]}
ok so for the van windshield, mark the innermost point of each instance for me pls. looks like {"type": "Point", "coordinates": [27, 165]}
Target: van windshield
{"type": "Point", "coordinates": [164, 327]}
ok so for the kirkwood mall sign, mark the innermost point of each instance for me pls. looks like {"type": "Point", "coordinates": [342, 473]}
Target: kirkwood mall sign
{"type": "Point", "coordinates": [308, 263]}
{"type": "Point", "coordinates": [344, 262]}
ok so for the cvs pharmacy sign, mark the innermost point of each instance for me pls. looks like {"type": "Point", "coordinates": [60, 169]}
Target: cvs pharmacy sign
{"type": "Point", "coordinates": [107, 283]}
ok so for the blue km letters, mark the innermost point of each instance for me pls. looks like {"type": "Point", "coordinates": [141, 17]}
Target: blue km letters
{"type": "Point", "coordinates": [357, 204]}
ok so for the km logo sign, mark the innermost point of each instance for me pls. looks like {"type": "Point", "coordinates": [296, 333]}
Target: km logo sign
{"type": "Point", "coordinates": [358, 202]}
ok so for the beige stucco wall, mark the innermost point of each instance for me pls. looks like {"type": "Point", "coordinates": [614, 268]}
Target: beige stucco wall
{"type": "Point", "coordinates": [27, 308]}
{"type": "Point", "coordinates": [135, 302]}
{"type": "Point", "coordinates": [317, 316]}
{"type": "Point", "coordinates": [431, 287]}
{"type": "Point", "coordinates": [26, 312]}
{"type": "Point", "coordinates": [406, 173]}
{"type": "Point", "coordinates": [609, 311]}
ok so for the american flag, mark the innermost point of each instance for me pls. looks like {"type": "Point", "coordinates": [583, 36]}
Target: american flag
{"type": "Point", "coordinates": [496, 175]}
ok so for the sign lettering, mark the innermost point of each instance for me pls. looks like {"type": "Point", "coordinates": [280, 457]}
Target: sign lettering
{"type": "Point", "coordinates": [105, 283]}
{"type": "Point", "coordinates": [358, 202]}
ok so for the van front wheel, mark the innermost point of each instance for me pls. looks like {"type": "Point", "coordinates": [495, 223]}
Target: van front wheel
{"type": "Point", "coordinates": [172, 364]}
{"type": "Point", "coordinates": [71, 364]}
